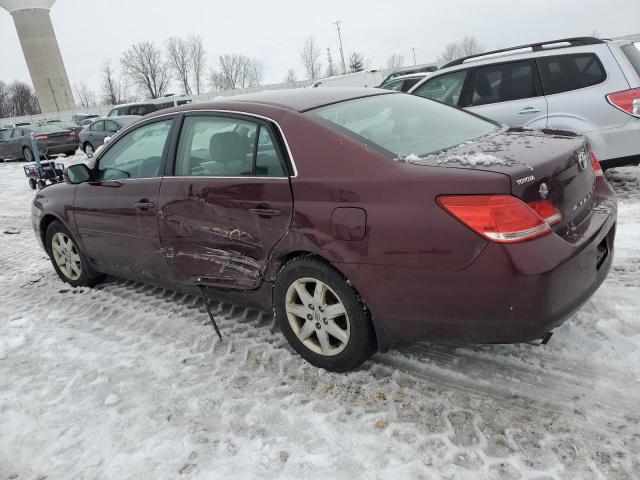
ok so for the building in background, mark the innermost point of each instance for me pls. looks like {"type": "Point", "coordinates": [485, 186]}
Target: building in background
{"type": "Point", "coordinates": [41, 51]}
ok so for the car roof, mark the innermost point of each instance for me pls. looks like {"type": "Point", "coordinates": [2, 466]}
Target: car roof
{"type": "Point", "coordinates": [297, 99]}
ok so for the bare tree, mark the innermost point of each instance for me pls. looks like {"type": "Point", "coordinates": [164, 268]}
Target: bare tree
{"type": "Point", "coordinates": [84, 95]}
{"type": "Point", "coordinates": [237, 71]}
{"type": "Point", "coordinates": [22, 99]}
{"type": "Point", "coordinates": [395, 62]}
{"type": "Point", "coordinates": [5, 104]}
{"type": "Point", "coordinates": [331, 67]}
{"type": "Point", "coordinates": [291, 77]}
{"type": "Point", "coordinates": [145, 67]}
{"type": "Point", "coordinates": [197, 58]}
{"type": "Point", "coordinates": [113, 91]}
{"type": "Point", "coordinates": [463, 48]}
{"type": "Point", "coordinates": [310, 55]}
{"type": "Point", "coordinates": [179, 54]}
{"type": "Point", "coordinates": [356, 62]}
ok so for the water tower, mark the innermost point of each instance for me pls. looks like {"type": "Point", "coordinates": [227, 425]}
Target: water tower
{"type": "Point", "coordinates": [41, 51]}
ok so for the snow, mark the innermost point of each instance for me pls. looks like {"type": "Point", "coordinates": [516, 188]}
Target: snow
{"type": "Point", "coordinates": [480, 159]}
{"type": "Point", "coordinates": [129, 381]}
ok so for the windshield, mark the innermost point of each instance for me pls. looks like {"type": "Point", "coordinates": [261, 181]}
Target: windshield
{"type": "Point", "coordinates": [403, 125]}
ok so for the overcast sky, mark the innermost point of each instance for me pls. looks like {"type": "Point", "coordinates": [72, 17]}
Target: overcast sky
{"type": "Point", "coordinates": [89, 31]}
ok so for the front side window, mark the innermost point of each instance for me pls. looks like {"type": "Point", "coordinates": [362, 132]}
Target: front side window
{"type": "Point", "coordinates": [138, 154]}
{"type": "Point", "coordinates": [97, 126]}
{"type": "Point", "coordinates": [502, 83]}
{"type": "Point", "coordinates": [111, 126]}
{"type": "Point", "coordinates": [445, 88]}
{"type": "Point", "coordinates": [563, 73]}
{"type": "Point", "coordinates": [225, 147]}
{"type": "Point", "coordinates": [401, 125]}
{"type": "Point", "coordinates": [5, 135]}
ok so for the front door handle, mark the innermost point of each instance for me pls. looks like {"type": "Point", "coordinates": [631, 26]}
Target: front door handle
{"type": "Point", "coordinates": [144, 205]}
{"type": "Point", "coordinates": [528, 110]}
{"type": "Point", "coordinates": [265, 211]}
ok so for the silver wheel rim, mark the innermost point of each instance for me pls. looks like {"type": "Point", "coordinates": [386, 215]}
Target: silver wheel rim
{"type": "Point", "coordinates": [317, 316]}
{"type": "Point", "coordinates": [66, 256]}
{"type": "Point", "coordinates": [89, 151]}
{"type": "Point", "coordinates": [27, 155]}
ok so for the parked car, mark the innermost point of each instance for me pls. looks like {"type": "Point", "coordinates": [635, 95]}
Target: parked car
{"type": "Point", "coordinates": [426, 68]}
{"type": "Point", "coordinates": [404, 83]}
{"type": "Point", "coordinates": [81, 117]}
{"type": "Point", "coordinates": [14, 125]}
{"type": "Point", "coordinates": [149, 106]}
{"type": "Point", "coordinates": [365, 218]}
{"type": "Point", "coordinates": [370, 78]}
{"type": "Point", "coordinates": [15, 143]}
{"type": "Point", "coordinates": [93, 135]}
{"type": "Point", "coordinates": [585, 85]}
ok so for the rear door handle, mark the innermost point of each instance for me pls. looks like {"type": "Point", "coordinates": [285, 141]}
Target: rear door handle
{"type": "Point", "coordinates": [265, 211]}
{"type": "Point", "coordinates": [527, 110]}
{"type": "Point", "coordinates": [144, 205]}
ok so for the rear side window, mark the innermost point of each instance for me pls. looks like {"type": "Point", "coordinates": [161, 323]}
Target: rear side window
{"type": "Point", "coordinates": [502, 83]}
{"type": "Point", "coordinates": [97, 126]}
{"type": "Point", "coordinates": [564, 73]}
{"type": "Point", "coordinates": [632, 52]}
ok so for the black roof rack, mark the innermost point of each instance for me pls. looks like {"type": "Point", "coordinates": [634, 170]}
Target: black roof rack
{"type": "Point", "coordinates": [536, 47]}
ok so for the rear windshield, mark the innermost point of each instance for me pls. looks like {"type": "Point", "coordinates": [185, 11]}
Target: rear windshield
{"type": "Point", "coordinates": [48, 129]}
{"type": "Point", "coordinates": [402, 125]}
{"type": "Point", "coordinates": [633, 54]}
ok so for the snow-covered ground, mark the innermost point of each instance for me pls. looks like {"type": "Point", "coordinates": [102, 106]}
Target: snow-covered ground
{"type": "Point", "coordinates": [128, 381]}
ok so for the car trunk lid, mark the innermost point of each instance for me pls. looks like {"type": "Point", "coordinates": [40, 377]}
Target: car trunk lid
{"type": "Point", "coordinates": [541, 164]}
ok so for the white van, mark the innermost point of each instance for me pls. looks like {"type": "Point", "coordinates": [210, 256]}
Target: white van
{"type": "Point", "coordinates": [369, 78]}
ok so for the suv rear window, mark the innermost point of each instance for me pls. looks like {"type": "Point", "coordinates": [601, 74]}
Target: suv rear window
{"type": "Point", "coordinates": [563, 73]}
{"type": "Point", "coordinates": [633, 54]}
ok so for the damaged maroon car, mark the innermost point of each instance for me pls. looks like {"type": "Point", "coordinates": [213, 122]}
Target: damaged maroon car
{"type": "Point", "coordinates": [364, 218]}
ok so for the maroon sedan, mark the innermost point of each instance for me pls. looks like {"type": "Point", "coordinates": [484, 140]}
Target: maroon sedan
{"type": "Point", "coordinates": [364, 218]}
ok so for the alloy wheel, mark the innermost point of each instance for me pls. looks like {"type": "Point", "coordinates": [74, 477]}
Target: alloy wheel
{"type": "Point", "coordinates": [66, 256]}
{"type": "Point", "coordinates": [317, 316]}
{"type": "Point", "coordinates": [89, 151]}
{"type": "Point", "coordinates": [28, 155]}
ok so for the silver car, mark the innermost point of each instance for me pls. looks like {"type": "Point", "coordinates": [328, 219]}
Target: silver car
{"type": "Point", "coordinates": [586, 85]}
{"type": "Point", "coordinates": [93, 135]}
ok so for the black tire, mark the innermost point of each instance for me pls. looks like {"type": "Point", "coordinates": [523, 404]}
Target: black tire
{"type": "Point", "coordinates": [32, 183]}
{"type": "Point", "coordinates": [88, 277]}
{"type": "Point", "coordinates": [91, 152]}
{"type": "Point", "coordinates": [41, 184]}
{"type": "Point", "coordinates": [27, 154]}
{"type": "Point", "coordinates": [70, 153]}
{"type": "Point", "coordinates": [361, 343]}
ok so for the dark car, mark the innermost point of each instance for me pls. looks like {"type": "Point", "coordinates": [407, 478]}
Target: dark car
{"type": "Point", "coordinates": [80, 118]}
{"type": "Point", "coordinates": [410, 70]}
{"type": "Point", "coordinates": [404, 82]}
{"type": "Point", "coordinates": [71, 126]}
{"type": "Point", "coordinates": [365, 218]}
{"type": "Point", "coordinates": [15, 143]}
{"type": "Point", "coordinates": [93, 135]}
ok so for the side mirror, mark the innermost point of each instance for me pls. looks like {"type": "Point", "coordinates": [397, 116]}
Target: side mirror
{"type": "Point", "coordinates": [77, 173]}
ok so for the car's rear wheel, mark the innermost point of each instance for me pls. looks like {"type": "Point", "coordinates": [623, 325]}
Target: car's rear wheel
{"type": "Point", "coordinates": [27, 154]}
{"type": "Point", "coordinates": [89, 150]}
{"type": "Point", "coordinates": [322, 316]}
{"type": "Point", "coordinates": [67, 259]}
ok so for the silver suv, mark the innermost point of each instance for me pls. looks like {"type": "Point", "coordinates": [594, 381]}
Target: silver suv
{"type": "Point", "coordinates": [586, 85]}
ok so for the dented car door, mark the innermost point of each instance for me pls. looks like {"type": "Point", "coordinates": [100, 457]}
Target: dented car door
{"type": "Point", "coordinates": [227, 202]}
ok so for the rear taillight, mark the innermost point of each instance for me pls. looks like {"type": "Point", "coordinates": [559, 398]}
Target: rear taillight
{"type": "Point", "coordinates": [547, 211]}
{"type": "Point", "coordinates": [42, 137]}
{"type": "Point", "coordinates": [71, 134]}
{"type": "Point", "coordinates": [502, 218]}
{"type": "Point", "coordinates": [596, 166]}
{"type": "Point", "coordinates": [627, 100]}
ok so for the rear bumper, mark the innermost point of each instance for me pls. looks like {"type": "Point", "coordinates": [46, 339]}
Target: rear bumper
{"type": "Point", "coordinates": [46, 149]}
{"type": "Point", "coordinates": [509, 294]}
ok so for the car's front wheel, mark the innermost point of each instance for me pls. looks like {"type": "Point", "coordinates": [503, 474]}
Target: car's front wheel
{"type": "Point", "coordinates": [66, 257]}
{"type": "Point", "coordinates": [322, 316]}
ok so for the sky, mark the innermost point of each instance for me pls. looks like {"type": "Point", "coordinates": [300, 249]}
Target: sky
{"type": "Point", "coordinates": [90, 31]}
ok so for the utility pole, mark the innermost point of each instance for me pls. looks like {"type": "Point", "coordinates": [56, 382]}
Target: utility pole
{"type": "Point", "coordinates": [344, 65]}
{"type": "Point", "coordinates": [414, 55]}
